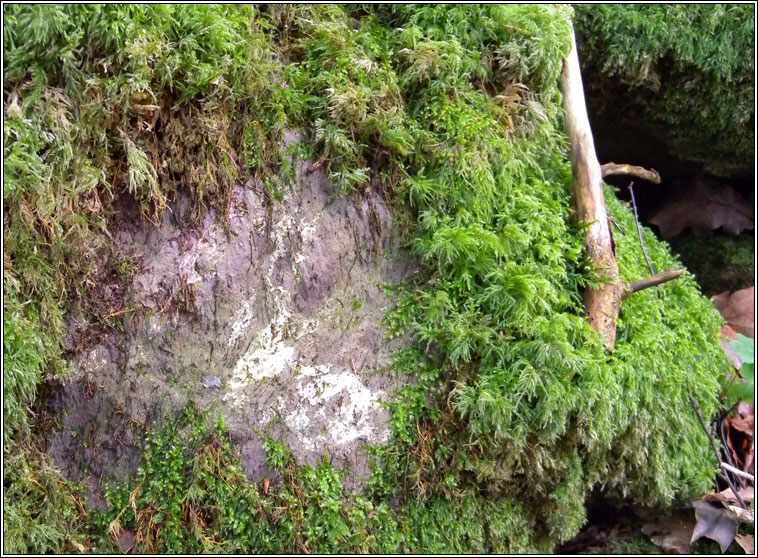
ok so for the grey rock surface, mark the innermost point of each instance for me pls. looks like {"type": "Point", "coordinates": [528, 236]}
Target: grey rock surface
{"type": "Point", "coordinates": [273, 318]}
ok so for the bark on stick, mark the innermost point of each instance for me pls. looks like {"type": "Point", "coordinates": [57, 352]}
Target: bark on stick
{"type": "Point", "coordinates": [603, 304]}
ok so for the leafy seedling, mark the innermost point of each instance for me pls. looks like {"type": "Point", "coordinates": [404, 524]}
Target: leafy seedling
{"type": "Point", "coordinates": [745, 389]}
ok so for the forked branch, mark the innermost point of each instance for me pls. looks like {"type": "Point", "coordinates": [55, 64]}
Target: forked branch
{"type": "Point", "coordinates": [602, 304]}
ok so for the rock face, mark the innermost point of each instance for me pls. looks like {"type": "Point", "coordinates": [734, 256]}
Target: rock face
{"type": "Point", "coordinates": [272, 317]}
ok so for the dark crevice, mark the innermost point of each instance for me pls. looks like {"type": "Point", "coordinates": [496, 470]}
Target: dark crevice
{"type": "Point", "coordinates": [719, 259]}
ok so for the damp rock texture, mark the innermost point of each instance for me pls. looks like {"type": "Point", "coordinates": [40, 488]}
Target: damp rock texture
{"type": "Point", "coordinates": [273, 317]}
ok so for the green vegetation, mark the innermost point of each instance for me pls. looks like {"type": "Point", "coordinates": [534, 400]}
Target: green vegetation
{"type": "Point", "coordinates": [517, 412]}
{"type": "Point", "coordinates": [745, 387]}
{"type": "Point", "coordinates": [43, 512]}
{"type": "Point", "coordinates": [191, 495]}
{"type": "Point", "coordinates": [682, 71]}
{"type": "Point", "coordinates": [720, 262]}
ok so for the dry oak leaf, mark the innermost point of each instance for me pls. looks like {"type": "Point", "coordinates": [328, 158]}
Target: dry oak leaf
{"type": "Point", "coordinates": [704, 205]}
{"type": "Point", "coordinates": [727, 496]}
{"type": "Point", "coordinates": [725, 334]}
{"type": "Point", "coordinates": [738, 309]}
{"type": "Point", "coordinates": [740, 430]}
{"type": "Point", "coordinates": [126, 539]}
{"type": "Point", "coordinates": [747, 542]}
{"type": "Point", "coordinates": [671, 534]}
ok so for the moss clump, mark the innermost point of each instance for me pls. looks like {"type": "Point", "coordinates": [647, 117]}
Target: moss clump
{"type": "Point", "coordinates": [43, 513]}
{"type": "Point", "coordinates": [517, 411]}
{"type": "Point", "coordinates": [191, 495]}
{"type": "Point", "coordinates": [720, 262]}
{"type": "Point", "coordinates": [684, 72]}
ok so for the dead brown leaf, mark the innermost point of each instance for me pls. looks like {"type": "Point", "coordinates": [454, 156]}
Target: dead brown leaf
{"type": "Point", "coordinates": [745, 408]}
{"type": "Point", "coordinates": [705, 204]}
{"type": "Point", "coordinates": [745, 424]}
{"type": "Point", "coordinates": [671, 534]}
{"type": "Point", "coordinates": [738, 309]}
{"type": "Point", "coordinates": [727, 332]}
{"type": "Point", "coordinates": [746, 493]}
{"type": "Point", "coordinates": [747, 542]}
{"type": "Point", "coordinates": [125, 539]}
{"type": "Point", "coordinates": [714, 523]}
{"type": "Point", "coordinates": [740, 431]}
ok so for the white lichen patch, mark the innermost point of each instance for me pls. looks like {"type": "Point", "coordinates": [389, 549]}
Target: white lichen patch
{"type": "Point", "coordinates": [356, 406]}
{"type": "Point", "coordinates": [299, 422]}
{"type": "Point", "coordinates": [97, 359]}
{"type": "Point", "coordinates": [154, 327]}
{"type": "Point", "coordinates": [241, 323]}
{"type": "Point", "coordinates": [268, 356]}
{"type": "Point", "coordinates": [307, 236]}
{"type": "Point", "coordinates": [322, 406]}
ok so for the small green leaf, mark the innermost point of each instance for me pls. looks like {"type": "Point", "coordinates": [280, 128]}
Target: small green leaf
{"type": "Point", "coordinates": [743, 390]}
{"type": "Point", "coordinates": [744, 347]}
{"type": "Point", "coordinates": [748, 371]}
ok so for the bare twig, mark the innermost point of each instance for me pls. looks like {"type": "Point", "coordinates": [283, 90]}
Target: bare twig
{"type": "Point", "coordinates": [610, 169]}
{"type": "Point", "coordinates": [639, 230]}
{"type": "Point", "coordinates": [736, 471]}
{"type": "Point", "coordinates": [120, 312]}
{"type": "Point", "coordinates": [656, 279]}
{"type": "Point", "coordinates": [715, 450]}
{"type": "Point", "coordinates": [619, 227]}
{"type": "Point", "coordinates": [601, 303]}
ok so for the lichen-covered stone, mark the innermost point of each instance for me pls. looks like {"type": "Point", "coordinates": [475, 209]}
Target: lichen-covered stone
{"type": "Point", "coordinates": [278, 312]}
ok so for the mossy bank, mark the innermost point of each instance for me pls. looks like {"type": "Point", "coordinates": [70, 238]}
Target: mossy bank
{"type": "Point", "coordinates": [444, 124]}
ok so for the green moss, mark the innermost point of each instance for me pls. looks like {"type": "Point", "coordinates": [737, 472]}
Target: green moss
{"type": "Point", "coordinates": [720, 262]}
{"type": "Point", "coordinates": [683, 71]}
{"type": "Point", "coordinates": [191, 495]}
{"type": "Point", "coordinates": [516, 412]}
{"type": "Point", "coordinates": [42, 512]}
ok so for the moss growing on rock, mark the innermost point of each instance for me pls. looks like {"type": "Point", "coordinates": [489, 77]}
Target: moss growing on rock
{"type": "Point", "coordinates": [517, 411]}
{"type": "Point", "coordinates": [683, 73]}
{"type": "Point", "coordinates": [720, 262]}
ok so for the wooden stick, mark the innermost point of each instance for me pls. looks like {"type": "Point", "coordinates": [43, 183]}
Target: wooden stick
{"type": "Point", "coordinates": [602, 304]}
{"type": "Point", "coordinates": [736, 471]}
{"type": "Point", "coordinates": [741, 515]}
{"type": "Point", "coordinates": [656, 279]}
{"type": "Point", "coordinates": [610, 169]}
